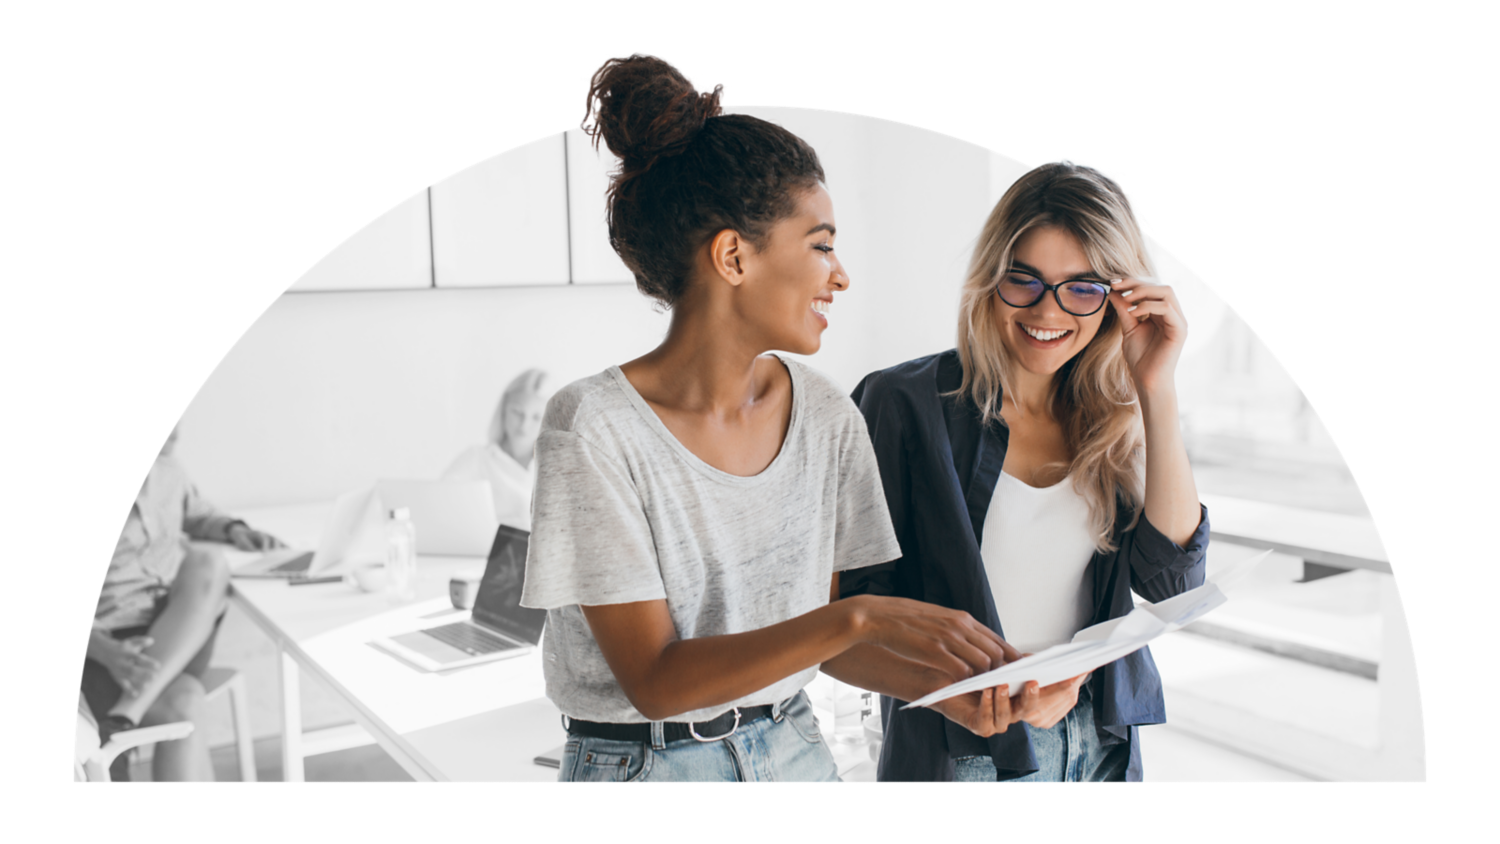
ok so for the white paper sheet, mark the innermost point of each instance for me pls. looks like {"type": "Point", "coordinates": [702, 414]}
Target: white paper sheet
{"type": "Point", "coordinates": [1106, 642]}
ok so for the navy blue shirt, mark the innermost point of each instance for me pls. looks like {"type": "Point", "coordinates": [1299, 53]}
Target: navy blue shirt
{"type": "Point", "coordinates": [939, 464]}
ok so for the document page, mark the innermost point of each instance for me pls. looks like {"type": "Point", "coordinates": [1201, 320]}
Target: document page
{"type": "Point", "coordinates": [1106, 642]}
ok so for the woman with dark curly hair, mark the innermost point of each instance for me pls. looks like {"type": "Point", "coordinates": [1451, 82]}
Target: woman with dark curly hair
{"type": "Point", "coordinates": [1036, 475]}
{"type": "Point", "coordinates": [694, 506]}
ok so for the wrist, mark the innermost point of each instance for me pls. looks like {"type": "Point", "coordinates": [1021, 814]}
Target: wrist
{"type": "Point", "coordinates": [1158, 398]}
{"type": "Point", "coordinates": [856, 621]}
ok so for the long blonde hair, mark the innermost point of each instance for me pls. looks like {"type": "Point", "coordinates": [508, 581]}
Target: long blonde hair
{"type": "Point", "coordinates": [1093, 396]}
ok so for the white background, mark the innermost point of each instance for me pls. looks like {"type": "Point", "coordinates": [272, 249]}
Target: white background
{"type": "Point", "coordinates": [168, 169]}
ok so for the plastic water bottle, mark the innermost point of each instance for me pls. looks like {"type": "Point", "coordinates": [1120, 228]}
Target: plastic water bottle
{"type": "Point", "coordinates": [401, 554]}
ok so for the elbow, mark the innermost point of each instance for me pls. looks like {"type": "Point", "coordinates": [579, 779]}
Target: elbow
{"type": "Point", "coordinates": [653, 699]}
{"type": "Point", "coordinates": [653, 707]}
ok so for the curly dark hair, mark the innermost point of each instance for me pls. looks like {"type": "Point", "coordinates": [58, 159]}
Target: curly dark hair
{"type": "Point", "coordinates": [687, 171]}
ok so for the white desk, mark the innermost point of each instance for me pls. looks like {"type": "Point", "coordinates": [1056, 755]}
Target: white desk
{"type": "Point", "coordinates": [486, 722]}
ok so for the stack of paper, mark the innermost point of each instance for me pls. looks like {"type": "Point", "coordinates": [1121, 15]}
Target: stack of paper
{"type": "Point", "coordinates": [1106, 642]}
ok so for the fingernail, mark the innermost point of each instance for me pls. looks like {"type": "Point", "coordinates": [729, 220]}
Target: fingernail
{"type": "Point", "coordinates": [1131, 308]}
{"type": "Point", "coordinates": [1126, 292]}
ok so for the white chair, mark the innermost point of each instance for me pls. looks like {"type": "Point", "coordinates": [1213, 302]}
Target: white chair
{"type": "Point", "coordinates": [216, 683]}
{"type": "Point", "coordinates": [91, 761]}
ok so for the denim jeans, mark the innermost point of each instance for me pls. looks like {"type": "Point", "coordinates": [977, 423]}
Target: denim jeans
{"type": "Point", "coordinates": [1069, 751]}
{"type": "Point", "coordinates": [785, 747]}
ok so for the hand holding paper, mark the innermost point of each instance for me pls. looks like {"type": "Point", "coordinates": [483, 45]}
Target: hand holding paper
{"type": "Point", "coordinates": [1103, 643]}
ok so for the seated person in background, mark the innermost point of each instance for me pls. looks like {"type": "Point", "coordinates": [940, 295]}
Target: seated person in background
{"type": "Point", "coordinates": [158, 612]}
{"type": "Point", "coordinates": [505, 459]}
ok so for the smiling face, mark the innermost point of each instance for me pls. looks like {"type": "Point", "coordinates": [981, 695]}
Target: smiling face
{"type": "Point", "coordinates": [791, 282]}
{"type": "Point", "coordinates": [1043, 337]}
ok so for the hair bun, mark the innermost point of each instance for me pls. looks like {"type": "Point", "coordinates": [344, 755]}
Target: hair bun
{"type": "Point", "coordinates": [644, 109]}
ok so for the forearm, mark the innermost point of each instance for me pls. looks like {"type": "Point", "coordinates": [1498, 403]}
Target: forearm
{"type": "Point", "coordinates": [1171, 495]}
{"type": "Point", "coordinates": [696, 673]}
{"type": "Point", "coordinates": [214, 528]}
{"type": "Point", "coordinates": [879, 670]}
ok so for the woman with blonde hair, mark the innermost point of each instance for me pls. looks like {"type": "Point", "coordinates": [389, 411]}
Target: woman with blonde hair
{"type": "Point", "coordinates": [505, 458]}
{"type": "Point", "coordinates": [1036, 475]}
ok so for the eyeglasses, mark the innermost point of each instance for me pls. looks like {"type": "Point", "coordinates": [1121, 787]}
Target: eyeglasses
{"type": "Point", "coordinates": [1077, 297]}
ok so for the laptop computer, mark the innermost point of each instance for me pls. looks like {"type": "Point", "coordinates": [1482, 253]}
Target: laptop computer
{"type": "Point", "coordinates": [498, 628]}
{"type": "Point", "coordinates": [334, 544]}
{"type": "Point", "coordinates": [452, 518]}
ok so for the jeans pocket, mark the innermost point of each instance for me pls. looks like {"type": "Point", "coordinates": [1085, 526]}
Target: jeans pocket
{"type": "Point", "coordinates": [603, 760]}
{"type": "Point", "coordinates": [799, 712]}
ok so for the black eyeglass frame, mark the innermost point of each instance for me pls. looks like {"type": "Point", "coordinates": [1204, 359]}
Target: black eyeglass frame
{"type": "Point", "coordinates": [1053, 288]}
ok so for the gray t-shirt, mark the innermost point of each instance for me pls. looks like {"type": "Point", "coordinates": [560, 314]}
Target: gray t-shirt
{"type": "Point", "coordinates": [624, 512]}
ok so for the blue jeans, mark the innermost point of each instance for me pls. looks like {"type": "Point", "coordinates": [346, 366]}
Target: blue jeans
{"type": "Point", "coordinates": [785, 747]}
{"type": "Point", "coordinates": [1069, 751]}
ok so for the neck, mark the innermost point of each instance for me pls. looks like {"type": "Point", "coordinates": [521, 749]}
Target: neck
{"type": "Point", "coordinates": [706, 364]}
{"type": "Point", "coordinates": [523, 458]}
{"type": "Point", "coordinates": [1031, 393]}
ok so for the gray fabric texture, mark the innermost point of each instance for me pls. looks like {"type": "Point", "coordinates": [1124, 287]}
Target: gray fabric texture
{"type": "Point", "coordinates": [624, 512]}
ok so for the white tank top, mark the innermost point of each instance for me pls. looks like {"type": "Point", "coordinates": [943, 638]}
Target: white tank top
{"type": "Point", "coordinates": [1036, 550]}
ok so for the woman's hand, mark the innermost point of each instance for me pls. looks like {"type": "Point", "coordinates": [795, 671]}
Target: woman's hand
{"type": "Point", "coordinates": [127, 662]}
{"type": "Point", "coordinates": [1044, 706]}
{"type": "Point", "coordinates": [1154, 331]}
{"type": "Point", "coordinates": [983, 713]}
{"type": "Point", "coordinates": [949, 640]}
{"type": "Point", "coordinates": [249, 539]}
{"type": "Point", "coordinates": [991, 711]}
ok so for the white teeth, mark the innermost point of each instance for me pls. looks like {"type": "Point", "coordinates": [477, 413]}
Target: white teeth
{"type": "Point", "coordinates": [1045, 335]}
{"type": "Point", "coordinates": [821, 306]}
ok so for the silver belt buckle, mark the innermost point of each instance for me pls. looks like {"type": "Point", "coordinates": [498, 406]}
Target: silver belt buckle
{"type": "Point", "coordinates": [693, 730]}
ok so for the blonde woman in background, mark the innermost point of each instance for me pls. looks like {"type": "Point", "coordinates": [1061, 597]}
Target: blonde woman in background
{"type": "Point", "coordinates": [1036, 475]}
{"type": "Point", "coordinates": [505, 459]}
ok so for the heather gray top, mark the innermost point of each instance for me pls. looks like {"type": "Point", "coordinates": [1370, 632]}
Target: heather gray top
{"type": "Point", "coordinates": [624, 512]}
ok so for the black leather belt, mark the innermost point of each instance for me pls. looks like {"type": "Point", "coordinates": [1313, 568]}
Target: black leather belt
{"type": "Point", "coordinates": [721, 727]}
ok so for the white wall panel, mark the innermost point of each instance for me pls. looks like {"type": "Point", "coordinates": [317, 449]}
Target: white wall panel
{"type": "Point", "coordinates": [391, 253]}
{"type": "Point", "coordinates": [504, 221]}
{"type": "Point", "coordinates": [594, 262]}
{"type": "Point", "coordinates": [325, 393]}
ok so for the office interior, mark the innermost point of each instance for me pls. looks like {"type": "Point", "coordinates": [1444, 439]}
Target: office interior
{"type": "Point", "coordinates": [386, 359]}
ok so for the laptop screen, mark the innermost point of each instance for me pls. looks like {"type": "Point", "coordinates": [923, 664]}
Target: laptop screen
{"type": "Point", "coordinates": [498, 604]}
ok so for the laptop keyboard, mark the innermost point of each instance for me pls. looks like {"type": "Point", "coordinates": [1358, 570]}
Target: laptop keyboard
{"type": "Point", "coordinates": [469, 638]}
{"type": "Point", "coordinates": [299, 563]}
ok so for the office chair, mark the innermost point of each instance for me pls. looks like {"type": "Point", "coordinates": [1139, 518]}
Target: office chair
{"type": "Point", "coordinates": [91, 762]}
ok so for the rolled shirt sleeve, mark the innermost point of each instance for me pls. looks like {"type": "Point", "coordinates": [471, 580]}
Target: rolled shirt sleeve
{"type": "Point", "coordinates": [1159, 567]}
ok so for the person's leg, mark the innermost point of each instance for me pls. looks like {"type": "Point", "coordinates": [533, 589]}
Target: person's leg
{"type": "Point", "coordinates": [786, 749]}
{"type": "Point", "coordinates": [101, 691]}
{"type": "Point", "coordinates": [187, 759]}
{"type": "Point", "coordinates": [1050, 747]}
{"type": "Point", "coordinates": [1100, 763]}
{"type": "Point", "coordinates": [198, 596]}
